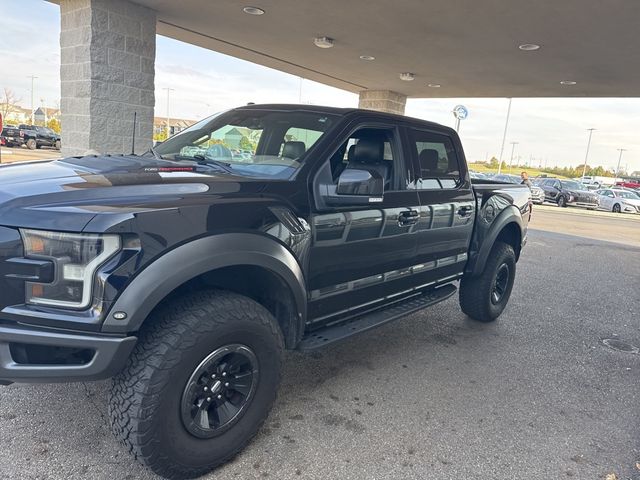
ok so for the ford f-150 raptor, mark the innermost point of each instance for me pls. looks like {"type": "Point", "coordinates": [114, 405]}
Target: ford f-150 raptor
{"type": "Point", "coordinates": [184, 273]}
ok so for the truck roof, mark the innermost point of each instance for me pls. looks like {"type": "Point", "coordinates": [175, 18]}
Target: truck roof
{"type": "Point", "coordinates": [342, 111]}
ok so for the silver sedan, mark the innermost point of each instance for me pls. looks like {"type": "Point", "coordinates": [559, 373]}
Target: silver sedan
{"type": "Point", "coordinates": [619, 201]}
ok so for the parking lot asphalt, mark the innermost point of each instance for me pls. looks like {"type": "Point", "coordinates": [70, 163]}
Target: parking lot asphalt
{"type": "Point", "coordinates": [22, 154]}
{"type": "Point", "coordinates": [535, 395]}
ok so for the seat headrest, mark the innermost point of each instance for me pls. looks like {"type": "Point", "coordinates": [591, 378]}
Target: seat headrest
{"type": "Point", "coordinates": [351, 152]}
{"type": "Point", "coordinates": [429, 159]}
{"type": "Point", "coordinates": [293, 150]}
{"type": "Point", "coordinates": [369, 150]}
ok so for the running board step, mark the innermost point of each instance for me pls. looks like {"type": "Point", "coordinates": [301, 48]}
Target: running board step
{"type": "Point", "coordinates": [362, 323]}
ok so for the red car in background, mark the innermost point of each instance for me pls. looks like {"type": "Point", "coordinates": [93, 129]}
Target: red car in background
{"type": "Point", "coordinates": [633, 183]}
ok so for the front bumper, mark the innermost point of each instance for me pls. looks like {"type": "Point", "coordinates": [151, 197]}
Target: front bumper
{"type": "Point", "coordinates": [537, 198]}
{"type": "Point", "coordinates": [94, 357]}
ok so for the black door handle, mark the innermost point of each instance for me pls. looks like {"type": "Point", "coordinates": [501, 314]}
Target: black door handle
{"type": "Point", "coordinates": [408, 217]}
{"type": "Point", "coordinates": [465, 210]}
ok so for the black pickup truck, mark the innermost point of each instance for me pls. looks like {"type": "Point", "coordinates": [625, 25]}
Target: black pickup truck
{"type": "Point", "coordinates": [184, 274]}
{"type": "Point", "coordinates": [31, 136]}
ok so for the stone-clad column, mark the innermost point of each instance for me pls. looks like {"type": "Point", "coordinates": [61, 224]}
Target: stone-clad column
{"type": "Point", "coordinates": [383, 101]}
{"type": "Point", "coordinates": [107, 71]}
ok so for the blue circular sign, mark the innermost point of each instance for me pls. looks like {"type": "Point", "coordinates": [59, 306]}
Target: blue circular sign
{"type": "Point", "coordinates": [460, 112]}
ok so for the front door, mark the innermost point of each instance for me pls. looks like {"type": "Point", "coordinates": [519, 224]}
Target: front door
{"type": "Point", "coordinates": [362, 255]}
{"type": "Point", "coordinates": [447, 207]}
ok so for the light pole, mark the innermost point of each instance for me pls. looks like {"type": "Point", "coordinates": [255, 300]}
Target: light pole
{"type": "Point", "coordinates": [619, 160]}
{"type": "Point", "coordinates": [586, 155]}
{"type": "Point", "coordinates": [504, 137]}
{"type": "Point", "coordinates": [169, 90]}
{"type": "Point", "coordinates": [513, 147]}
{"type": "Point", "coordinates": [32, 77]}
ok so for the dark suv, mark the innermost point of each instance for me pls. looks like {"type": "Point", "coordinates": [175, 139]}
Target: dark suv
{"type": "Point", "coordinates": [568, 193]}
{"type": "Point", "coordinates": [184, 273]}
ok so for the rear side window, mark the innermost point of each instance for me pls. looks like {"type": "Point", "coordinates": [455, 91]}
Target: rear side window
{"type": "Point", "coordinates": [438, 161]}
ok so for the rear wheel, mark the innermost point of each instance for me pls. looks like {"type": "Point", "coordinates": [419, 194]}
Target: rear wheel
{"type": "Point", "coordinates": [616, 208]}
{"type": "Point", "coordinates": [562, 202]}
{"type": "Point", "coordinates": [484, 297]}
{"type": "Point", "coordinates": [31, 144]}
{"type": "Point", "coordinates": [199, 384]}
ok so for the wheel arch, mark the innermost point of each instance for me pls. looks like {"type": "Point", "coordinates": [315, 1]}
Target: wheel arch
{"type": "Point", "coordinates": [249, 264]}
{"type": "Point", "coordinates": [508, 228]}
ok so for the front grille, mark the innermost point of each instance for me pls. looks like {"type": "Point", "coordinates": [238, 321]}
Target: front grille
{"type": "Point", "coordinates": [11, 291]}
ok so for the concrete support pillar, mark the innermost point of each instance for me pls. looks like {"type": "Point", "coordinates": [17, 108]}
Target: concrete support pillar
{"type": "Point", "coordinates": [383, 101]}
{"type": "Point", "coordinates": [107, 71]}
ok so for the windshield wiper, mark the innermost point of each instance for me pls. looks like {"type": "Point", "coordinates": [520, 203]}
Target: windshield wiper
{"type": "Point", "coordinates": [217, 163]}
{"type": "Point", "coordinates": [155, 154]}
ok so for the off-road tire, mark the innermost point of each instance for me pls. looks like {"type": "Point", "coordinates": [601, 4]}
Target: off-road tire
{"type": "Point", "coordinates": [145, 398]}
{"type": "Point", "coordinates": [476, 292]}
{"type": "Point", "coordinates": [31, 144]}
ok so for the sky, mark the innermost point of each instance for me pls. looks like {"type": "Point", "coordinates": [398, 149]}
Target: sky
{"type": "Point", "coordinates": [548, 131]}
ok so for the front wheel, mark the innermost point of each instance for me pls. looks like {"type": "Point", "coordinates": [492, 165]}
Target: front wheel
{"type": "Point", "coordinates": [562, 202]}
{"type": "Point", "coordinates": [616, 208]}
{"type": "Point", "coordinates": [199, 384]}
{"type": "Point", "coordinates": [31, 144]}
{"type": "Point", "coordinates": [483, 298]}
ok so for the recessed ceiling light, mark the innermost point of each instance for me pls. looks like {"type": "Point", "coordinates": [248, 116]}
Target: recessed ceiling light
{"type": "Point", "coordinates": [529, 47]}
{"type": "Point", "coordinates": [568, 82]}
{"type": "Point", "coordinates": [434, 85]}
{"type": "Point", "coordinates": [368, 58]}
{"type": "Point", "coordinates": [253, 10]}
{"type": "Point", "coordinates": [323, 42]}
{"type": "Point", "coordinates": [407, 76]}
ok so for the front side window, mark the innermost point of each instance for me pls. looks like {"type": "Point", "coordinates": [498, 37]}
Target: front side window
{"type": "Point", "coordinates": [372, 149]}
{"type": "Point", "coordinates": [256, 143]}
{"type": "Point", "coordinates": [439, 167]}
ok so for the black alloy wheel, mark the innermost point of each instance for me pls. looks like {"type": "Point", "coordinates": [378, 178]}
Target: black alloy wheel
{"type": "Point", "coordinates": [219, 390]}
{"type": "Point", "coordinates": [616, 208]}
{"type": "Point", "coordinates": [500, 284]}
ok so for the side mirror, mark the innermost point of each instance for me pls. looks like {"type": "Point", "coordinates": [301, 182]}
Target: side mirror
{"type": "Point", "coordinates": [356, 187]}
{"type": "Point", "coordinates": [360, 182]}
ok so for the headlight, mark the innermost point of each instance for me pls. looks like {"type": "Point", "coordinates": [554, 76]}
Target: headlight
{"type": "Point", "coordinates": [76, 257]}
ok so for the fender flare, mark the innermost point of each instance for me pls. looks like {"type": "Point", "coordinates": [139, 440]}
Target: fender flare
{"type": "Point", "coordinates": [508, 216]}
{"type": "Point", "coordinates": [199, 256]}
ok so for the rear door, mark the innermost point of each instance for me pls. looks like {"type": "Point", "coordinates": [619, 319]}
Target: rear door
{"type": "Point", "coordinates": [447, 206]}
{"type": "Point", "coordinates": [362, 255]}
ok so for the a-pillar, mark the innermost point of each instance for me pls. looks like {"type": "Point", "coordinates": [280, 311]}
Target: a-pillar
{"type": "Point", "coordinates": [383, 101]}
{"type": "Point", "coordinates": [107, 70]}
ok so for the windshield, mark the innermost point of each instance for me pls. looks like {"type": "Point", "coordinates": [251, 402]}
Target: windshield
{"type": "Point", "coordinates": [629, 195]}
{"type": "Point", "coordinates": [572, 185]}
{"type": "Point", "coordinates": [257, 143]}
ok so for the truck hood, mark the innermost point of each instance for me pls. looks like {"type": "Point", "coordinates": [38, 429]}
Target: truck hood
{"type": "Point", "coordinates": [67, 194]}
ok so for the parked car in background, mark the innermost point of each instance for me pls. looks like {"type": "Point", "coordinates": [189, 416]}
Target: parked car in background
{"type": "Point", "coordinates": [619, 201]}
{"type": "Point", "coordinates": [31, 136]}
{"type": "Point", "coordinates": [633, 183]}
{"type": "Point", "coordinates": [596, 181]}
{"type": "Point", "coordinates": [478, 176]}
{"type": "Point", "coordinates": [537, 193]}
{"type": "Point", "coordinates": [507, 178]}
{"type": "Point", "coordinates": [568, 193]}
